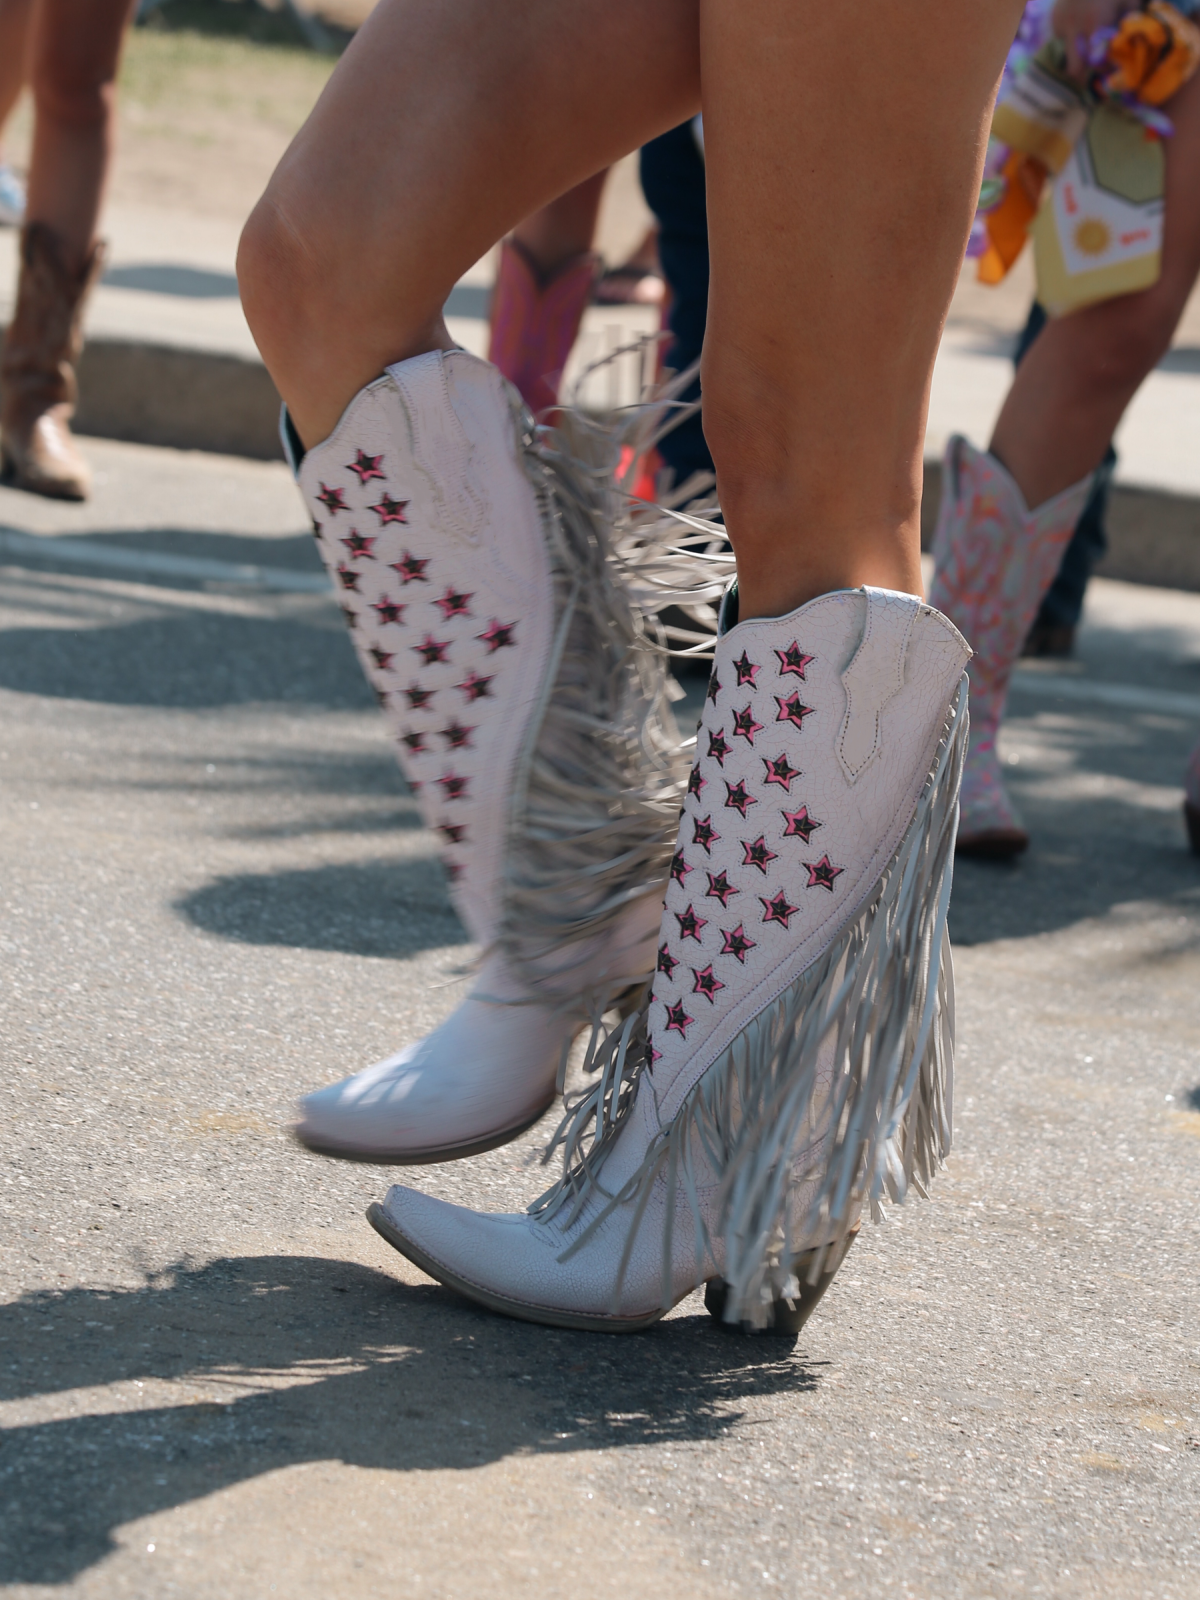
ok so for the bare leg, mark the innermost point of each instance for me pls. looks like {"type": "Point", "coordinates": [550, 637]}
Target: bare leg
{"type": "Point", "coordinates": [76, 49]}
{"type": "Point", "coordinates": [1072, 389]}
{"type": "Point", "coordinates": [15, 17]}
{"type": "Point", "coordinates": [835, 239]}
{"type": "Point", "coordinates": [406, 173]}
{"type": "Point", "coordinates": [564, 229]}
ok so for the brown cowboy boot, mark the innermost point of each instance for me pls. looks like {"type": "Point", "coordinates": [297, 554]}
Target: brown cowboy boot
{"type": "Point", "coordinates": [37, 369]}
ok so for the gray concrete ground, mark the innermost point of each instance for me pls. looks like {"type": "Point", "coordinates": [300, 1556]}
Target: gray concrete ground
{"type": "Point", "coordinates": [215, 1380]}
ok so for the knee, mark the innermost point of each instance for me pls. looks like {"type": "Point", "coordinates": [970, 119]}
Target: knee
{"type": "Point", "coordinates": [1131, 336]}
{"type": "Point", "coordinates": [278, 278]}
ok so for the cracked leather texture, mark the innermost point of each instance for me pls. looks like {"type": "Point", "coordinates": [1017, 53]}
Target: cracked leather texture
{"type": "Point", "coordinates": [740, 922]}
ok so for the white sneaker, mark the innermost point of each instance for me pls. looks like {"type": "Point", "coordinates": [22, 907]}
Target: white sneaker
{"type": "Point", "coordinates": [12, 198]}
{"type": "Point", "coordinates": [795, 1058]}
{"type": "Point", "coordinates": [530, 721]}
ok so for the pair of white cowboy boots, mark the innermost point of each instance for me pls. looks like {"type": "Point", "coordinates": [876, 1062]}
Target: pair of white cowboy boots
{"type": "Point", "coordinates": [758, 945]}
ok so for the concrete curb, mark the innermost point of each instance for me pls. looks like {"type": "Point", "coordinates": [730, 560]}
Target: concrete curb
{"type": "Point", "coordinates": [208, 400]}
{"type": "Point", "coordinates": [186, 399]}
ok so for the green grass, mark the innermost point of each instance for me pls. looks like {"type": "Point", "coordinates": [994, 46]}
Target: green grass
{"type": "Point", "coordinates": [224, 55]}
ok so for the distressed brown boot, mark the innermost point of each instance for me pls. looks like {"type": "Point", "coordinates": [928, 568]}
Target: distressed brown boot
{"type": "Point", "coordinates": [37, 369]}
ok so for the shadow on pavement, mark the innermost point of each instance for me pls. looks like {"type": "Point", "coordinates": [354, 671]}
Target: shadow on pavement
{"type": "Point", "coordinates": [1106, 829]}
{"type": "Point", "coordinates": [350, 1365]}
{"type": "Point", "coordinates": [375, 908]}
{"type": "Point", "coordinates": [295, 552]}
{"type": "Point", "coordinates": [193, 660]}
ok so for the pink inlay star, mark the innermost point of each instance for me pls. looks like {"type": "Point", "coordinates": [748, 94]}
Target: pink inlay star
{"type": "Point", "coordinates": [388, 610]}
{"type": "Point", "coordinates": [453, 832]}
{"type": "Point", "coordinates": [431, 650]}
{"type": "Point", "coordinates": [410, 568]}
{"type": "Point", "coordinates": [756, 854]}
{"type": "Point", "coordinates": [498, 636]}
{"type": "Point", "coordinates": [707, 983]}
{"type": "Point", "coordinates": [678, 1020]}
{"type": "Point", "coordinates": [791, 710]}
{"type": "Point", "coordinates": [704, 834]}
{"type": "Point", "coordinates": [475, 687]}
{"type": "Point", "coordinates": [452, 786]}
{"type": "Point", "coordinates": [690, 924]}
{"type": "Point", "coordinates": [389, 510]}
{"type": "Point", "coordinates": [417, 697]}
{"type": "Point", "coordinates": [822, 873]}
{"type": "Point", "coordinates": [456, 736]}
{"type": "Point", "coordinates": [793, 660]}
{"type": "Point", "coordinates": [746, 671]}
{"type": "Point", "coordinates": [666, 961]}
{"type": "Point", "coordinates": [739, 797]}
{"type": "Point", "coordinates": [736, 943]}
{"type": "Point", "coordinates": [781, 771]}
{"type": "Point", "coordinates": [717, 747]}
{"type": "Point", "coordinates": [365, 466]}
{"type": "Point", "coordinates": [695, 782]}
{"type": "Point", "coordinates": [347, 576]}
{"type": "Point", "coordinates": [778, 909]}
{"type": "Point", "coordinates": [679, 868]}
{"type": "Point", "coordinates": [799, 824]}
{"type": "Point", "coordinates": [334, 500]}
{"type": "Point", "coordinates": [382, 658]}
{"type": "Point", "coordinates": [746, 725]}
{"type": "Point", "coordinates": [720, 888]}
{"type": "Point", "coordinates": [453, 605]}
{"type": "Point", "coordinates": [360, 544]}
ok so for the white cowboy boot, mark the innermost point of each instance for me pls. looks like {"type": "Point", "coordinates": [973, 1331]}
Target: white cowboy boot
{"type": "Point", "coordinates": [994, 559]}
{"type": "Point", "coordinates": [530, 722]}
{"type": "Point", "coordinates": [795, 1056]}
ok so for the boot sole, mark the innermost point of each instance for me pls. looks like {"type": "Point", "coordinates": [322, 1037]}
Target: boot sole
{"type": "Point", "coordinates": [1000, 844]}
{"type": "Point", "coordinates": [416, 1158]}
{"type": "Point", "coordinates": [12, 477]}
{"type": "Point", "coordinates": [587, 1322]}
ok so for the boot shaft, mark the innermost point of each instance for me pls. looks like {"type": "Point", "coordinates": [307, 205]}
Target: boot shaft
{"type": "Point", "coordinates": [994, 560]}
{"type": "Point", "coordinates": [45, 337]}
{"type": "Point", "coordinates": [534, 324]}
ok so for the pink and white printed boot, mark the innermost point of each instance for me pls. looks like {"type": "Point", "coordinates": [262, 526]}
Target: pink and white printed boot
{"type": "Point", "coordinates": [794, 1059]}
{"type": "Point", "coordinates": [1191, 801]}
{"type": "Point", "coordinates": [534, 324]}
{"type": "Point", "coordinates": [530, 721]}
{"type": "Point", "coordinates": [993, 561]}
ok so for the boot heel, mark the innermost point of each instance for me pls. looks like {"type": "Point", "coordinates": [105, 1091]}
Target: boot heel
{"type": "Point", "coordinates": [785, 1316]}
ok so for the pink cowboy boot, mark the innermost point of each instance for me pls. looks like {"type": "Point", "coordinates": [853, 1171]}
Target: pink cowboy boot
{"type": "Point", "coordinates": [994, 559]}
{"type": "Point", "coordinates": [534, 324]}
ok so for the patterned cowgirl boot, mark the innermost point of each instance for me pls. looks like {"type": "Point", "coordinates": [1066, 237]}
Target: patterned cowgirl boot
{"type": "Point", "coordinates": [993, 562]}
{"type": "Point", "coordinates": [794, 1058]}
{"type": "Point", "coordinates": [38, 388]}
{"type": "Point", "coordinates": [535, 324]}
{"type": "Point", "coordinates": [473, 565]}
{"type": "Point", "coordinates": [1191, 804]}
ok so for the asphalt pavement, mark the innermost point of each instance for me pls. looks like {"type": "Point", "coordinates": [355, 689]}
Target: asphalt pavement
{"type": "Point", "coordinates": [215, 1380]}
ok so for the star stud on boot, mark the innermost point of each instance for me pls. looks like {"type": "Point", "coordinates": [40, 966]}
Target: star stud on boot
{"type": "Point", "coordinates": [994, 559]}
{"type": "Point", "coordinates": [529, 717]}
{"type": "Point", "coordinates": [793, 1061]}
